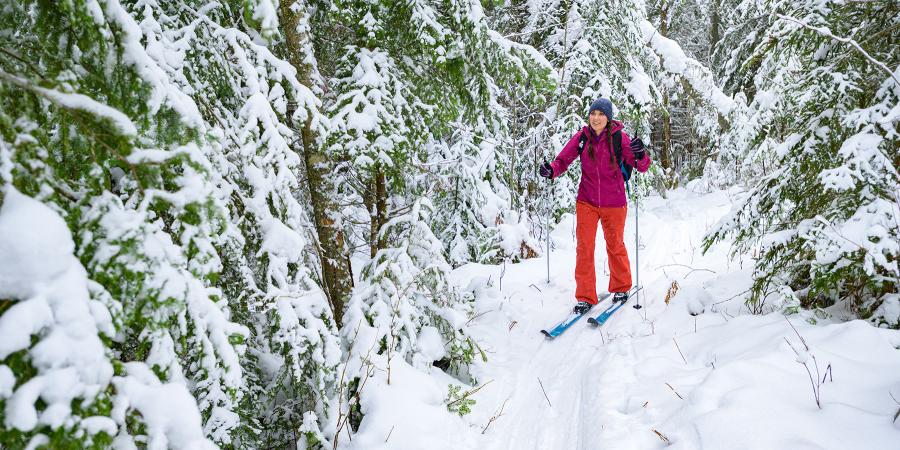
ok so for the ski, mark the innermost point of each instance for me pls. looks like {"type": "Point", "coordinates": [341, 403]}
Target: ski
{"type": "Point", "coordinates": [569, 321]}
{"type": "Point", "coordinates": [604, 316]}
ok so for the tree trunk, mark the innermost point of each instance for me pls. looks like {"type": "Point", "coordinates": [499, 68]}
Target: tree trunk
{"type": "Point", "coordinates": [377, 211]}
{"type": "Point", "coordinates": [665, 153]}
{"type": "Point", "coordinates": [714, 33]}
{"type": "Point", "coordinates": [337, 278]}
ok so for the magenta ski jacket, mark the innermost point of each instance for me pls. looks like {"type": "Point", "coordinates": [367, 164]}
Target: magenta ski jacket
{"type": "Point", "coordinates": [602, 183]}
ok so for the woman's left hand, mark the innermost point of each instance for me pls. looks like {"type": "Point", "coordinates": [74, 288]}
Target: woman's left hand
{"type": "Point", "coordinates": [637, 147]}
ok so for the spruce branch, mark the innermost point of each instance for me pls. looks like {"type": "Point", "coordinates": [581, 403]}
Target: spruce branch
{"type": "Point", "coordinates": [826, 32]}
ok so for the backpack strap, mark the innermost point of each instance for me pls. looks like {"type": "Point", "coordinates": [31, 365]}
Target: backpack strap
{"type": "Point", "coordinates": [623, 166]}
{"type": "Point", "coordinates": [582, 139]}
{"type": "Point", "coordinates": [617, 145]}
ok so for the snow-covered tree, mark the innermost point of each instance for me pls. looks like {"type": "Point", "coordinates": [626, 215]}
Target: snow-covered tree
{"type": "Point", "coordinates": [824, 216]}
{"type": "Point", "coordinates": [92, 125]}
{"type": "Point", "coordinates": [160, 131]}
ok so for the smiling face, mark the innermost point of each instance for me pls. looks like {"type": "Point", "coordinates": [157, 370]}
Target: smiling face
{"type": "Point", "coordinates": [598, 120]}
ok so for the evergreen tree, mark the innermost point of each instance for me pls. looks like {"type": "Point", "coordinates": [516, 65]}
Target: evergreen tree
{"type": "Point", "coordinates": [92, 125]}
{"type": "Point", "coordinates": [159, 130]}
{"type": "Point", "coordinates": [824, 217]}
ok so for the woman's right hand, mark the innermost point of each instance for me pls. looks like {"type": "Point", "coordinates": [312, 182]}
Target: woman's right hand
{"type": "Point", "coordinates": [546, 170]}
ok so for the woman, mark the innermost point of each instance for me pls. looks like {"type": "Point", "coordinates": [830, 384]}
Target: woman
{"type": "Point", "coordinates": [601, 196]}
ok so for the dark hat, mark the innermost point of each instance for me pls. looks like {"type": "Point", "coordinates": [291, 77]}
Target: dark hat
{"type": "Point", "coordinates": [603, 105]}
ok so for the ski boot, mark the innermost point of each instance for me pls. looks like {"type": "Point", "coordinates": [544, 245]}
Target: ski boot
{"type": "Point", "coordinates": [582, 307]}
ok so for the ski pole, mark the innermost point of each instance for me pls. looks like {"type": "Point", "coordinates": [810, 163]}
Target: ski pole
{"type": "Point", "coordinates": [637, 233]}
{"type": "Point", "coordinates": [637, 250]}
{"type": "Point", "coordinates": [547, 223]}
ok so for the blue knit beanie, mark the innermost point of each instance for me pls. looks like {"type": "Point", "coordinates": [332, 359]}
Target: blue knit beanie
{"type": "Point", "coordinates": [603, 105]}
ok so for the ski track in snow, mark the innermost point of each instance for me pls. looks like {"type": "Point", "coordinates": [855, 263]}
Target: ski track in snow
{"type": "Point", "coordinates": [611, 388]}
{"type": "Point", "coordinates": [719, 379]}
{"type": "Point", "coordinates": [585, 371]}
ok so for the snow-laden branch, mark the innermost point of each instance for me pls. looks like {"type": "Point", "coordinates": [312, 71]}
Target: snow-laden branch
{"type": "Point", "coordinates": [675, 61]}
{"type": "Point", "coordinates": [826, 32]}
{"type": "Point", "coordinates": [76, 101]}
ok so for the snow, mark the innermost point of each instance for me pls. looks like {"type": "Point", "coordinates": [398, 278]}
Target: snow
{"type": "Point", "coordinates": [52, 306]}
{"type": "Point", "coordinates": [639, 87]}
{"type": "Point", "coordinates": [7, 381]}
{"type": "Point", "coordinates": [265, 12]}
{"type": "Point", "coordinates": [431, 346]}
{"type": "Point", "coordinates": [78, 101]}
{"type": "Point", "coordinates": [282, 241]}
{"type": "Point", "coordinates": [169, 410]}
{"type": "Point", "coordinates": [677, 62]}
{"type": "Point", "coordinates": [408, 413]}
{"type": "Point", "coordinates": [701, 371]}
{"type": "Point", "coordinates": [149, 68]}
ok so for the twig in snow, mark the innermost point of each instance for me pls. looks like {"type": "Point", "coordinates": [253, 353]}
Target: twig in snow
{"type": "Point", "coordinates": [468, 322]}
{"type": "Point", "coordinates": [688, 267]}
{"type": "Point", "coordinates": [732, 297]}
{"type": "Point", "coordinates": [679, 350]}
{"type": "Point", "coordinates": [662, 436]}
{"type": "Point", "coordinates": [812, 382]}
{"type": "Point", "coordinates": [342, 418]}
{"type": "Point", "coordinates": [389, 434]}
{"type": "Point", "coordinates": [545, 392]}
{"type": "Point", "coordinates": [464, 397]}
{"type": "Point", "coordinates": [512, 324]}
{"type": "Point", "coordinates": [797, 333]}
{"type": "Point", "coordinates": [495, 416]}
{"type": "Point", "coordinates": [673, 390]}
{"type": "Point", "coordinates": [538, 289]}
{"type": "Point", "coordinates": [803, 358]}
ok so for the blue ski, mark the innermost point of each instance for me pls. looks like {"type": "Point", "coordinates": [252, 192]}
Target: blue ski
{"type": "Point", "coordinates": [604, 316]}
{"type": "Point", "coordinates": [568, 322]}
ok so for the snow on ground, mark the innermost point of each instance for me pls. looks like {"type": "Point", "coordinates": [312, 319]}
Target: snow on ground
{"type": "Point", "coordinates": [720, 379]}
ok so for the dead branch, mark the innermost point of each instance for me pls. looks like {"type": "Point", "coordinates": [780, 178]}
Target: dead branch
{"type": "Point", "coordinates": [673, 390]}
{"type": "Point", "coordinates": [679, 350]}
{"type": "Point", "coordinates": [495, 416]}
{"type": "Point", "coordinates": [662, 436]}
{"type": "Point", "coordinates": [545, 392]}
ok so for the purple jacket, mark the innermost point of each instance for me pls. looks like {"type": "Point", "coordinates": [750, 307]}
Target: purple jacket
{"type": "Point", "coordinates": [602, 183]}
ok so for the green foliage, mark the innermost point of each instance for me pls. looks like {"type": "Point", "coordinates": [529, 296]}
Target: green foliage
{"type": "Point", "coordinates": [457, 401]}
{"type": "Point", "coordinates": [823, 221]}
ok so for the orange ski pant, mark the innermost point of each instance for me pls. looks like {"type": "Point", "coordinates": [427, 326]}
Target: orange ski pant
{"type": "Point", "coordinates": [613, 222]}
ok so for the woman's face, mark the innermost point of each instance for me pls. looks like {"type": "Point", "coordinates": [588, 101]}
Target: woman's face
{"type": "Point", "coordinates": [598, 120]}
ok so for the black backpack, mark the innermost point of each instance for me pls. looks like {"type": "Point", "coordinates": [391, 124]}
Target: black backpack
{"type": "Point", "coordinates": [617, 147]}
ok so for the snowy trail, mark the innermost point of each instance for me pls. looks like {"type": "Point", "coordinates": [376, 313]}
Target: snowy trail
{"type": "Point", "coordinates": [583, 373]}
{"type": "Point", "coordinates": [697, 373]}
{"type": "Point", "coordinates": [614, 387]}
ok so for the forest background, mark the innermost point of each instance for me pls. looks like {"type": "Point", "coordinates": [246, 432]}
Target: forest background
{"type": "Point", "coordinates": [218, 217]}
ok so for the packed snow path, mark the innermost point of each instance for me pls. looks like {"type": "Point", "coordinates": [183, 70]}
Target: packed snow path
{"type": "Point", "coordinates": [719, 379]}
{"type": "Point", "coordinates": [593, 397]}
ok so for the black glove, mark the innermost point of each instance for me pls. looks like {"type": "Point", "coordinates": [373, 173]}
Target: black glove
{"type": "Point", "coordinates": [546, 170]}
{"type": "Point", "coordinates": [637, 147]}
